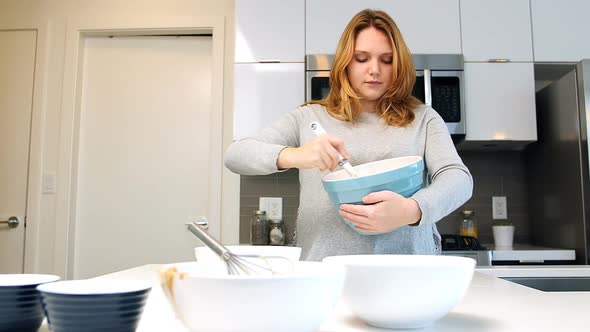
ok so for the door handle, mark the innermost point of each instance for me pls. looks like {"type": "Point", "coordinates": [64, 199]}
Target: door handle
{"type": "Point", "coordinates": [12, 222]}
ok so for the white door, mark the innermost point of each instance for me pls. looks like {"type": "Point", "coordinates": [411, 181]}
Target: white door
{"type": "Point", "coordinates": [144, 146]}
{"type": "Point", "coordinates": [17, 66]}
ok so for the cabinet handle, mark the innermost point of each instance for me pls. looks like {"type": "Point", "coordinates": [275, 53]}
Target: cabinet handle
{"type": "Point", "coordinates": [12, 222]}
{"type": "Point", "coordinates": [499, 60]}
{"type": "Point", "coordinates": [269, 61]}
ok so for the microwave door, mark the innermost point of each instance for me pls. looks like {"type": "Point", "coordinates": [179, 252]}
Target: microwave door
{"type": "Point", "coordinates": [427, 88]}
{"type": "Point", "coordinates": [418, 89]}
{"type": "Point", "coordinates": [318, 85]}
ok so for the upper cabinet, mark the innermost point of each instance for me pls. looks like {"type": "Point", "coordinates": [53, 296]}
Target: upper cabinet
{"type": "Point", "coordinates": [499, 29]}
{"type": "Point", "coordinates": [263, 92]}
{"type": "Point", "coordinates": [560, 30]}
{"type": "Point", "coordinates": [500, 102]}
{"type": "Point", "coordinates": [428, 26]}
{"type": "Point", "coordinates": [270, 30]}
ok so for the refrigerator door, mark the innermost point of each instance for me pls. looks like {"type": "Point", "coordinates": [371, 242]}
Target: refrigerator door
{"type": "Point", "coordinates": [556, 170]}
{"type": "Point", "coordinates": [583, 71]}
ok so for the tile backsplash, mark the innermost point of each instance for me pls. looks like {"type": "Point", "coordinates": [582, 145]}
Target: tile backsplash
{"type": "Point", "coordinates": [494, 174]}
{"type": "Point", "coordinates": [283, 184]}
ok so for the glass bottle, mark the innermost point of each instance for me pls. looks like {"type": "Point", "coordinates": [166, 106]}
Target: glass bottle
{"type": "Point", "coordinates": [259, 228]}
{"type": "Point", "coordinates": [468, 224]}
{"type": "Point", "coordinates": [277, 232]}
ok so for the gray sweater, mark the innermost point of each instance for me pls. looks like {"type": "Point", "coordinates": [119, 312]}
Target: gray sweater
{"type": "Point", "coordinates": [320, 231]}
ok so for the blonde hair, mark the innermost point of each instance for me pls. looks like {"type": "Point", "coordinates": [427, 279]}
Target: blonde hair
{"type": "Point", "coordinates": [397, 104]}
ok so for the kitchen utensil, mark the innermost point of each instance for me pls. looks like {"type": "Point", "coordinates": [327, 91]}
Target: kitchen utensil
{"type": "Point", "coordinates": [212, 301]}
{"type": "Point", "coordinates": [20, 308]}
{"type": "Point", "coordinates": [403, 291]}
{"type": "Point", "coordinates": [215, 263]}
{"type": "Point", "coordinates": [402, 175]}
{"type": "Point", "coordinates": [236, 264]}
{"type": "Point", "coordinates": [94, 304]}
{"type": "Point", "coordinates": [317, 128]}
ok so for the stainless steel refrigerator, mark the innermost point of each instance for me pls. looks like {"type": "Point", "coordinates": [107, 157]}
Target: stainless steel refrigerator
{"type": "Point", "coordinates": [558, 172]}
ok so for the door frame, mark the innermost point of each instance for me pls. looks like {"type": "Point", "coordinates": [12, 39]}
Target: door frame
{"type": "Point", "coordinates": [35, 172]}
{"type": "Point", "coordinates": [76, 30]}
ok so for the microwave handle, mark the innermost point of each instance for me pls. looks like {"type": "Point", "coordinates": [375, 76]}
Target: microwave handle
{"type": "Point", "coordinates": [427, 88]}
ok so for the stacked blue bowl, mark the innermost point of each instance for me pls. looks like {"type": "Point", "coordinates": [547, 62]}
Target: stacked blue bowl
{"type": "Point", "coordinates": [402, 175]}
{"type": "Point", "coordinates": [93, 305]}
{"type": "Point", "coordinates": [20, 307]}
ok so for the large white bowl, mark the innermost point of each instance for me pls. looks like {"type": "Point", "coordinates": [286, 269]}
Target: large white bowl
{"type": "Point", "coordinates": [403, 291]}
{"type": "Point", "coordinates": [292, 254]}
{"type": "Point", "coordinates": [299, 301]}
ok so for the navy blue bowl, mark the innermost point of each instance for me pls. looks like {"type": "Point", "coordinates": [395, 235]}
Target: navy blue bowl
{"type": "Point", "coordinates": [403, 175]}
{"type": "Point", "coordinates": [20, 305]}
{"type": "Point", "coordinates": [131, 327]}
{"type": "Point", "coordinates": [90, 300]}
{"type": "Point", "coordinates": [94, 305]}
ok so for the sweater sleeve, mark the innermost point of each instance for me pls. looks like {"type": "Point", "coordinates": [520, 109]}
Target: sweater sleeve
{"type": "Point", "coordinates": [451, 183]}
{"type": "Point", "coordinates": [257, 155]}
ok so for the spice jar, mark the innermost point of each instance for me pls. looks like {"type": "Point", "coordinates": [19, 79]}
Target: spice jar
{"type": "Point", "coordinates": [468, 224]}
{"type": "Point", "coordinates": [259, 230]}
{"type": "Point", "coordinates": [277, 232]}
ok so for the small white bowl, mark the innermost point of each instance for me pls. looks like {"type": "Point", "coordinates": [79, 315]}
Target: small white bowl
{"type": "Point", "coordinates": [208, 257]}
{"type": "Point", "coordinates": [403, 291]}
{"type": "Point", "coordinates": [217, 302]}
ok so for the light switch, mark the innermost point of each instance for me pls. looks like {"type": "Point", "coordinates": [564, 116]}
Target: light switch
{"type": "Point", "coordinates": [49, 185]}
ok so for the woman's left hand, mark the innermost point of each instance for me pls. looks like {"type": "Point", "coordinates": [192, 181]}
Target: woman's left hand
{"type": "Point", "coordinates": [386, 212]}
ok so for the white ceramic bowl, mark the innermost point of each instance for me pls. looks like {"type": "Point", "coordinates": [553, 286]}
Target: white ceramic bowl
{"type": "Point", "coordinates": [208, 257]}
{"type": "Point", "coordinates": [211, 301]}
{"type": "Point", "coordinates": [403, 291]}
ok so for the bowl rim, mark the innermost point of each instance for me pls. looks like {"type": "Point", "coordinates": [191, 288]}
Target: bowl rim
{"type": "Point", "coordinates": [25, 279]}
{"type": "Point", "coordinates": [400, 261]}
{"type": "Point", "coordinates": [93, 287]}
{"type": "Point", "coordinates": [412, 161]}
{"type": "Point", "coordinates": [322, 270]}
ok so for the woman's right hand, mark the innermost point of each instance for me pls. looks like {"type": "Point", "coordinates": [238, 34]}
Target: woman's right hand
{"type": "Point", "coordinates": [321, 152]}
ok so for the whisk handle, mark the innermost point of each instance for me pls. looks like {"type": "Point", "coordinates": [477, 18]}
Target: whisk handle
{"type": "Point", "coordinates": [210, 242]}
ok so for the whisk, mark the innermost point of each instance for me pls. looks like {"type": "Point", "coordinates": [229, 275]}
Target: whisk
{"type": "Point", "coordinates": [236, 264]}
{"type": "Point", "coordinates": [317, 128]}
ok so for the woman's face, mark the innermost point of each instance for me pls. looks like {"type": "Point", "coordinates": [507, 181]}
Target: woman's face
{"type": "Point", "coordinates": [370, 70]}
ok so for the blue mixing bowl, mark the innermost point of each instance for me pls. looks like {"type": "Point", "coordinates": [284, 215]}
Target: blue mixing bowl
{"type": "Point", "coordinates": [403, 175]}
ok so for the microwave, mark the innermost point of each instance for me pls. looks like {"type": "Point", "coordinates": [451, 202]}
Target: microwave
{"type": "Point", "coordinates": [439, 83]}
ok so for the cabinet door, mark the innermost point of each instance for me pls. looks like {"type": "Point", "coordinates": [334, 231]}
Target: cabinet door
{"type": "Point", "coordinates": [500, 102]}
{"type": "Point", "coordinates": [485, 36]}
{"type": "Point", "coordinates": [270, 30]}
{"type": "Point", "coordinates": [263, 92]}
{"type": "Point", "coordinates": [560, 30]}
{"type": "Point", "coordinates": [428, 26]}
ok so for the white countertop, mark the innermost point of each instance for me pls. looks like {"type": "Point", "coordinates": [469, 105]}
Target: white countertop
{"type": "Point", "coordinates": [491, 304]}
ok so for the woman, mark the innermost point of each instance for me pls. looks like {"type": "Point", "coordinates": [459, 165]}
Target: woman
{"type": "Point", "coordinates": [369, 115]}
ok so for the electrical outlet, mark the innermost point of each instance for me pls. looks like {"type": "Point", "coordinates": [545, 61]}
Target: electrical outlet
{"type": "Point", "coordinates": [273, 207]}
{"type": "Point", "coordinates": [499, 210]}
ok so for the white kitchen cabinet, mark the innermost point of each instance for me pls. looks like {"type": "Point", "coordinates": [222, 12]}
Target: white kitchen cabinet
{"type": "Point", "coordinates": [263, 92]}
{"type": "Point", "coordinates": [499, 29]}
{"type": "Point", "coordinates": [500, 102]}
{"type": "Point", "coordinates": [560, 30]}
{"type": "Point", "coordinates": [270, 30]}
{"type": "Point", "coordinates": [428, 26]}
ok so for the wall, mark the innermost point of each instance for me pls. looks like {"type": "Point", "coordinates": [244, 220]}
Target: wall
{"type": "Point", "coordinates": [285, 185]}
{"type": "Point", "coordinates": [494, 174]}
{"type": "Point", "coordinates": [56, 13]}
